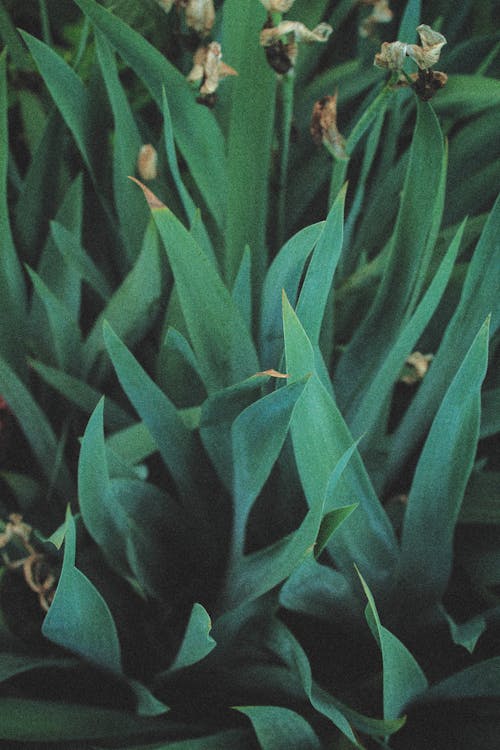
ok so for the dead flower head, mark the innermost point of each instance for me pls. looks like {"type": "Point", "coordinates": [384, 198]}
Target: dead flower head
{"type": "Point", "coordinates": [425, 83]}
{"type": "Point", "coordinates": [147, 162]}
{"type": "Point", "coordinates": [392, 54]}
{"type": "Point", "coordinates": [280, 42]}
{"type": "Point", "coordinates": [277, 6]}
{"type": "Point", "coordinates": [381, 13]}
{"type": "Point", "coordinates": [208, 69]}
{"type": "Point", "coordinates": [37, 570]}
{"type": "Point", "coordinates": [416, 366]}
{"type": "Point", "coordinates": [324, 126]}
{"type": "Point", "coordinates": [200, 14]}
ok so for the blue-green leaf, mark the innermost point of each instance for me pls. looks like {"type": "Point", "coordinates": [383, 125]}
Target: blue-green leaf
{"type": "Point", "coordinates": [79, 619]}
{"type": "Point", "coordinates": [279, 728]}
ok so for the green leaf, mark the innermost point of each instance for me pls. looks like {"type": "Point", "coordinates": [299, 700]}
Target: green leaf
{"type": "Point", "coordinates": [258, 434]}
{"type": "Point", "coordinates": [126, 145]}
{"type": "Point", "coordinates": [134, 305]}
{"type": "Point", "coordinates": [79, 619]}
{"type": "Point", "coordinates": [467, 95]}
{"type": "Point", "coordinates": [250, 136]}
{"type": "Point", "coordinates": [218, 413]}
{"type": "Point", "coordinates": [442, 473]}
{"type": "Point", "coordinates": [279, 728]}
{"type": "Point", "coordinates": [174, 441]}
{"type": "Point", "coordinates": [405, 265]}
{"type": "Point", "coordinates": [482, 680]}
{"type": "Point", "coordinates": [47, 721]}
{"type": "Point", "coordinates": [220, 339]}
{"type": "Point", "coordinates": [204, 154]}
{"type": "Point", "coordinates": [197, 642]}
{"type": "Point", "coordinates": [14, 664]}
{"type": "Point", "coordinates": [373, 401]}
{"type": "Point", "coordinates": [403, 680]}
{"type": "Point", "coordinates": [285, 273]}
{"type": "Point", "coordinates": [242, 288]}
{"type": "Point", "coordinates": [479, 298]}
{"type": "Point", "coordinates": [13, 297]}
{"type": "Point", "coordinates": [230, 739]}
{"type": "Point", "coordinates": [319, 277]}
{"type": "Point", "coordinates": [65, 333]}
{"type": "Point", "coordinates": [81, 394]}
{"type": "Point", "coordinates": [466, 633]}
{"type": "Point", "coordinates": [36, 428]}
{"type": "Point", "coordinates": [320, 438]}
{"type": "Point", "coordinates": [138, 527]}
{"type": "Point", "coordinates": [68, 92]}
{"type": "Point", "coordinates": [68, 245]}
{"type": "Point", "coordinates": [481, 503]}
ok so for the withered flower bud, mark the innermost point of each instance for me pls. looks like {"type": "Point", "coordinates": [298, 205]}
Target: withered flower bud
{"type": "Point", "coordinates": [324, 126]}
{"type": "Point", "coordinates": [391, 56]}
{"type": "Point", "coordinates": [147, 162]}
{"type": "Point", "coordinates": [280, 42]}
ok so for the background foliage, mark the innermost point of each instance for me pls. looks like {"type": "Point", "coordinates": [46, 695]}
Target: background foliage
{"type": "Point", "coordinates": [230, 558]}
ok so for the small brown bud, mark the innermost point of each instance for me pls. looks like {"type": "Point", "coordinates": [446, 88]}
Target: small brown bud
{"type": "Point", "coordinates": [416, 368]}
{"type": "Point", "coordinates": [147, 162]}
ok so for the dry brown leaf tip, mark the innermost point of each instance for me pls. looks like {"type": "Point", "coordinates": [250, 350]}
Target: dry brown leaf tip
{"type": "Point", "coordinates": [147, 162]}
{"type": "Point", "coordinates": [324, 126]}
{"type": "Point", "coordinates": [273, 374]}
{"type": "Point", "coordinates": [153, 201]}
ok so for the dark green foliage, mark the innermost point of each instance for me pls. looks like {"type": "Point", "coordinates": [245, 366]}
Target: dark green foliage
{"type": "Point", "coordinates": [250, 526]}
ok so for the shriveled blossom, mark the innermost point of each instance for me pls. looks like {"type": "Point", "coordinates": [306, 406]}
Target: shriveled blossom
{"type": "Point", "coordinates": [281, 42]}
{"type": "Point", "coordinates": [392, 54]}
{"type": "Point", "coordinates": [381, 13]}
{"type": "Point", "coordinates": [417, 365]}
{"type": "Point", "coordinates": [277, 6]}
{"type": "Point", "coordinates": [324, 126]}
{"type": "Point", "coordinates": [200, 14]}
{"type": "Point", "coordinates": [209, 68]}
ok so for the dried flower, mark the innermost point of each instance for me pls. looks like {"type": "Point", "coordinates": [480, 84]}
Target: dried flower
{"type": "Point", "coordinates": [147, 162]}
{"type": "Point", "coordinates": [208, 69]}
{"type": "Point", "coordinates": [381, 13]}
{"type": "Point", "coordinates": [324, 126]}
{"type": "Point", "coordinates": [428, 54]}
{"type": "Point", "coordinates": [425, 83]}
{"type": "Point", "coordinates": [392, 54]}
{"type": "Point", "coordinates": [277, 6]}
{"type": "Point", "coordinates": [416, 368]}
{"type": "Point", "coordinates": [280, 42]}
{"type": "Point", "coordinates": [200, 14]}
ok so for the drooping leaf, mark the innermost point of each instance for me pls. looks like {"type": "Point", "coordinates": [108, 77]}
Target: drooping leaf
{"type": "Point", "coordinates": [79, 619]}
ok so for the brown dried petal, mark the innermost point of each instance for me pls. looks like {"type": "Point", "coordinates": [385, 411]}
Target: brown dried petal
{"type": "Point", "coordinates": [428, 54]}
{"type": "Point", "coordinates": [209, 68]}
{"type": "Point", "coordinates": [391, 56]}
{"type": "Point", "coordinates": [324, 126]}
{"type": "Point", "coordinates": [418, 364]}
{"type": "Point", "coordinates": [299, 30]}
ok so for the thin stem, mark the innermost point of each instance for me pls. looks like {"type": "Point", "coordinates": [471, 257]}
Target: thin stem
{"type": "Point", "coordinates": [45, 23]}
{"type": "Point", "coordinates": [287, 91]}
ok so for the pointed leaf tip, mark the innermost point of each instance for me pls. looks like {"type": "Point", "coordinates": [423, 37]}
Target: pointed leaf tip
{"type": "Point", "coordinates": [153, 201]}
